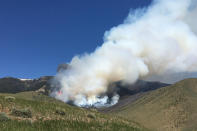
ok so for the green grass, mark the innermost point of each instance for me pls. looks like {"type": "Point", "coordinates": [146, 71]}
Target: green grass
{"type": "Point", "coordinates": [61, 125]}
{"type": "Point", "coordinates": [49, 114]}
{"type": "Point", "coordinates": [166, 109]}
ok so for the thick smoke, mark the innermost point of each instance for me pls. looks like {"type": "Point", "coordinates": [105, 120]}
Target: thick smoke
{"type": "Point", "coordinates": [151, 41]}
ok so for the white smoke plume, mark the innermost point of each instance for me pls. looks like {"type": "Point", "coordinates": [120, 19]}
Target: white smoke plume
{"type": "Point", "coordinates": [152, 41]}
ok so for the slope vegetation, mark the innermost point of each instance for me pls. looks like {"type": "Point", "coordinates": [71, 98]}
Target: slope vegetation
{"type": "Point", "coordinates": [171, 108]}
{"type": "Point", "coordinates": [34, 111]}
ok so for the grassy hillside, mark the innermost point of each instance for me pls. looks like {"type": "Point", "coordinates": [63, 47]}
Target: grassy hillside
{"type": "Point", "coordinates": [33, 111]}
{"type": "Point", "coordinates": [171, 108]}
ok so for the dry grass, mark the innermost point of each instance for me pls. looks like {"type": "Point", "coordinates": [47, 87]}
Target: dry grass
{"type": "Point", "coordinates": [171, 108]}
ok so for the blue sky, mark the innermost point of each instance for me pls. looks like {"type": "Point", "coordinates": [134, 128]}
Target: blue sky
{"type": "Point", "coordinates": [37, 35]}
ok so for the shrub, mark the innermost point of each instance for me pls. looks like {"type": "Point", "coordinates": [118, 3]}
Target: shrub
{"type": "Point", "coordinates": [3, 117]}
{"type": "Point", "coordinates": [9, 98]}
{"type": "Point", "coordinates": [92, 116]}
{"type": "Point", "coordinates": [25, 113]}
{"type": "Point", "coordinates": [60, 112]}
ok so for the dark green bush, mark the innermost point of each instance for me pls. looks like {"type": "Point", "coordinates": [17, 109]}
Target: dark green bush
{"type": "Point", "coordinates": [9, 98]}
{"type": "Point", "coordinates": [91, 115]}
{"type": "Point", "coordinates": [3, 117]}
{"type": "Point", "coordinates": [60, 112]}
{"type": "Point", "coordinates": [25, 113]}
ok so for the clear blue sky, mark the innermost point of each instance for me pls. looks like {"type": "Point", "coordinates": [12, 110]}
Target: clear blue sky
{"type": "Point", "coordinates": [37, 35]}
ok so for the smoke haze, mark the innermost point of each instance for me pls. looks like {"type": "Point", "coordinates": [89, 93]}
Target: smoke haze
{"type": "Point", "coordinates": [151, 41]}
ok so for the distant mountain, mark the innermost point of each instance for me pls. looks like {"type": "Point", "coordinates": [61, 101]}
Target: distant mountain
{"type": "Point", "coordinates": [139, 87]}
{"type": "Point", "coordinates": [15, 85]}
{"type": "Point", "coordinates": [171, 108]}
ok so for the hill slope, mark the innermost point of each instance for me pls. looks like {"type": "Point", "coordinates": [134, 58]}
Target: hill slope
{"type": "Point", "coordinates": [171, 108]}
{"type": "Point", "coordinates": [34, 111]}
{"type": "Point", "coordinates": [131, 92]}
